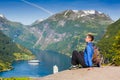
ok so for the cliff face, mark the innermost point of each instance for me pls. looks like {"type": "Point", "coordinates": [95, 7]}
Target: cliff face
{"type": "Point", "coordinates": [63, 32]}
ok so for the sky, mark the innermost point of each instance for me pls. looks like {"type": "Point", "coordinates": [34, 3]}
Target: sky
{"type": "Point", "coordinates": [28, 11]}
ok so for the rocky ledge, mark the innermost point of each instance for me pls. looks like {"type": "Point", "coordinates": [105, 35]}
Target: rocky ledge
{"type": "Point", "coordinates": [103, 73]}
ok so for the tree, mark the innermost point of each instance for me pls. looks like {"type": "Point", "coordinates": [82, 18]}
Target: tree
{"type": "Point", "coordinates": [116, 50]}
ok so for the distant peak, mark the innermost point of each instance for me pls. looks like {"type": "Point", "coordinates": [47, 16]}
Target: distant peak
{"type": "Point", "coordinates": [99, 12]}
{"type": "Point", "coordinates": [39, 20]}
{"type": "Point", "coordinates": [89, 11]}
{"type": "Point", "coordinates": [76, 11]}
{"type": "Point", "coordinates": [86, 12]}
{"type": "Point", "coordinates": [2, 16]}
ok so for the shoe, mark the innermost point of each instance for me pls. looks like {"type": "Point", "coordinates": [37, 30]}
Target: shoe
{"type": "Point", "coordinates": [73, 67]}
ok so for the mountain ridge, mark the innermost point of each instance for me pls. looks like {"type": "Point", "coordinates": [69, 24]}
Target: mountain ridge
{"type": "Point", "coordinates": [67, 24]}
{"type": "Point", "coordinates": [64, 30]}
{"type": "Point", "coordinates": [1, 15]}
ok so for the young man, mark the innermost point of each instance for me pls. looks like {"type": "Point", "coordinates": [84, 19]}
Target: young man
{"type": "Point", "coordinates": [84, 58]}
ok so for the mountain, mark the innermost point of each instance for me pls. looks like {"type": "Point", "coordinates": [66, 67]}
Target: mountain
{"type": "Point", "coordinates": [2, 16]}
{"type": "Point", "coordinates": [10, 51]}
{"type": "Point", "coordinates": [17, 32]}
{"type": "Point", "coordinates": [110, 44]}
{"type": "Point", "coordinates": [38, 21]}
{"type": "Point", "coordinates": [62, 32]}
{"type": "Point", "coordinates": [65, 31]}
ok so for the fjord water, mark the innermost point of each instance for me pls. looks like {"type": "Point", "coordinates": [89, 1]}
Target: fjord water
{"type": "Point", "coordinates": [44, 68]}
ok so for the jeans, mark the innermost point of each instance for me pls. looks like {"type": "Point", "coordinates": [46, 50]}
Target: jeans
{"type": "Point", "coordinates": [78, 58]}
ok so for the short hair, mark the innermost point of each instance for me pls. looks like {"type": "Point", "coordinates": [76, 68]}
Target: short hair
{"type": "Point", "coordinates": [90, 36]}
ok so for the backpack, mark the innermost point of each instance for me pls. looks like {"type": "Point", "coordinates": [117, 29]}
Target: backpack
{"type": "Point", "coordinates": [96, 59]}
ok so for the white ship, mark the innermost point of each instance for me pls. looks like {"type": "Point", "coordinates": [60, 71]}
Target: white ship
{"type": "Point", "coordinates": [33, 61]}
{"type": "Point", "coordinates": [34, 64]}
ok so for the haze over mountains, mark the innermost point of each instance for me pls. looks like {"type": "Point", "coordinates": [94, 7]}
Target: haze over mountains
{"type": "Point", "coordinates": [62, 32]}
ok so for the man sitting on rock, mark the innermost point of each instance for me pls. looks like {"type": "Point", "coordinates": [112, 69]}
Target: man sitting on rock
{"type": "Point", "coordinates": [83, 58]}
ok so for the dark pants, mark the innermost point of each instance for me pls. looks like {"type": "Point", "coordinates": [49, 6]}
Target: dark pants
{"type": "Point", "coordinates": [78, 58]}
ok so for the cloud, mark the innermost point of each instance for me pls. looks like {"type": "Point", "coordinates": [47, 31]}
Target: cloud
{"type": "Point", "coordinates": [37, 6]}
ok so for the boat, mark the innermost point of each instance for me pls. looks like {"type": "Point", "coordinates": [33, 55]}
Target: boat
{"type": "Point", "coordinates": [33, 61]}
{"type": "Point", "coordinates": [34, 64]}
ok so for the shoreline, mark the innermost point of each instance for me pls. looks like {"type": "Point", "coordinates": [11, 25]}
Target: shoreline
{"type": "Point", "coordinates": [11, 67]}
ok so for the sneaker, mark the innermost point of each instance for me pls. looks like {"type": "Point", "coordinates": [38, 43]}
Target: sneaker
{"type": "Point", "coordinates": [74, 67]}
{"type": "Point", "coordinates": [80, 66]}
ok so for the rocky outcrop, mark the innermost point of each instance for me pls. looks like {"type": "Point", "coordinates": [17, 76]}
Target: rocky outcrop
{"type": "Point", "coordinates": [103, 73]}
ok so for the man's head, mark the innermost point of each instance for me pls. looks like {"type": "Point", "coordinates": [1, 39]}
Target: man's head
{"type": "Point", "coordinates": [89, 38]}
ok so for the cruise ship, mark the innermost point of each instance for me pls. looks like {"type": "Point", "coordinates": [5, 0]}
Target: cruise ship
{"type": "Point", "coordinates": [33, 61]}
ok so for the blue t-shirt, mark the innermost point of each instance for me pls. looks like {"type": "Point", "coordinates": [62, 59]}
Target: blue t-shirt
{"type": "Point", "coordinates": [88, 53]}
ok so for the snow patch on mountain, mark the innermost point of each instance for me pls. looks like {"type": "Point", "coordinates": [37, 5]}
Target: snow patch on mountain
{"type": "Point", "coordinates": [82, 15]}
{"type": "Point", "coordinates": [88, 12]}
{"type": "Point", "coordinates": [75, 11]}
{"type": "Point", "coordinates": [99, 12]}
{"type": "Point", "coordinates": [66, 13]}
{"type": "Point", "coordinates": [39, 20]}
{"type": "Point", "coordinates": [1, 15]}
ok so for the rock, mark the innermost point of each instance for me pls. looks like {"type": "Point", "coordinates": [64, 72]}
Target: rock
{"type": "Point", "coordinates": [103, 73]}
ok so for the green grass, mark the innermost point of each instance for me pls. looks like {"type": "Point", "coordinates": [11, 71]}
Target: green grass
{"type": "Point", "coordinates": [16, 78]}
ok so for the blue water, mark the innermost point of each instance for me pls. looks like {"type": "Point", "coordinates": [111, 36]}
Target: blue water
{"type": "Point", "coordinates": [44, 68]}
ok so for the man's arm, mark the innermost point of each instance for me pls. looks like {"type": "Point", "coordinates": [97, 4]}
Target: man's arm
{"type": "Point", "coordinates": [89, 55]}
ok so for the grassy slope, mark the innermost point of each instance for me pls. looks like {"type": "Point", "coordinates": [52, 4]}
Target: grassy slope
{"type": "Point", "coordinates": [110, 44]}
{"type": "Point", "coordinates": [10, 51]}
